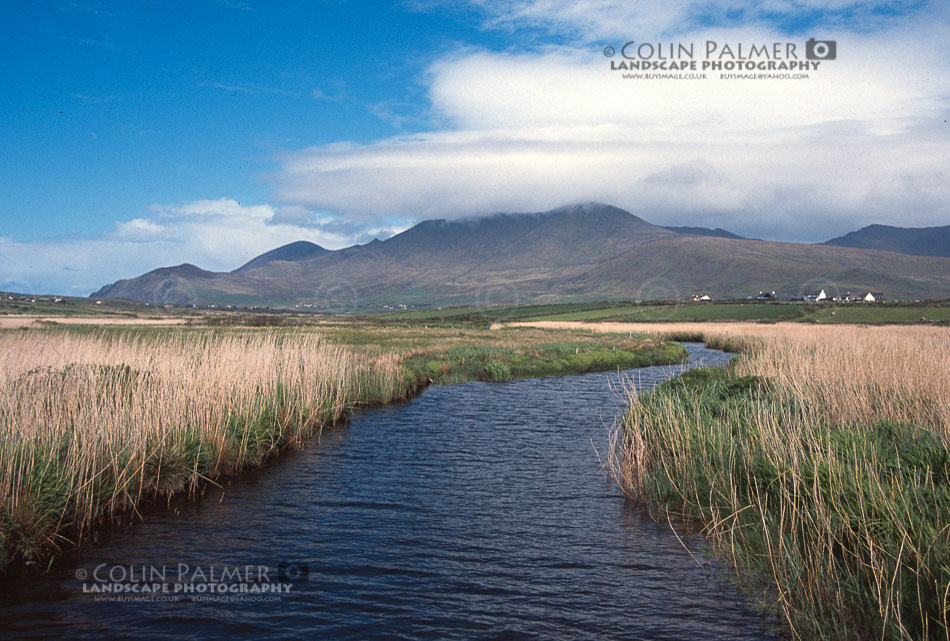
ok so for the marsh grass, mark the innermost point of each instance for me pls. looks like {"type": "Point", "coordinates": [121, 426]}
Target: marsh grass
{"type": "Point", "coordinates": [819, 465]}
{"type": "Point", "coordinates": [94, 421]}
{"type": "Point", "coordinates": [532, 358]}
{"type": "Point", "coordinates": [91, 425]}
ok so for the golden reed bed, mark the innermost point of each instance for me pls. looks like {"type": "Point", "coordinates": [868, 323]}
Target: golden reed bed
{"type": "Point", "coordinates": [842, 373]}
{"type": "Point", "coordinates": [90, 424]}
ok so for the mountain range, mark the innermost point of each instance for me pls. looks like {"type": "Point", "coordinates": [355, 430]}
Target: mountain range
{"type": "Point", "coordinates": [917, 241]}
{"type": "Point", "coordinates": [580, 252]}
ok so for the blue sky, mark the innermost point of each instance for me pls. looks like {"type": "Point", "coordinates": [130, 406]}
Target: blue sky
{"type": "Point", "coordinates": [112, 106]}
{"type": "Point", "coordinates": [136, 135]}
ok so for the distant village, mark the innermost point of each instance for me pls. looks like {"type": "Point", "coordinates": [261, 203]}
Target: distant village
{"type": "Point", "coordinates": [863, 296]}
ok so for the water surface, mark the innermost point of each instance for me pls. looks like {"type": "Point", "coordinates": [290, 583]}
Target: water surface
{"type": "Point", "coordinates": [476, 511]}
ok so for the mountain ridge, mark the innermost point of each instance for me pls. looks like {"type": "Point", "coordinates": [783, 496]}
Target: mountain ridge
{"type": "Point", "coordinates": [587, 251]}
{"type": "Point", "coordinates": [915, 241]}
{"type": "Point", "coordinates": [706, 231]}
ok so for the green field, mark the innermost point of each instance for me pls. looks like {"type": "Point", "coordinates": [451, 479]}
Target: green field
{"type": "Point", "coordinates": [494, 313]}
{"type": "Point", "coordinates": [614, 311]}
{"type": "Point", "coordinates": [71, 307]}
{"type": "Point", "coordinates": [880, 314]}
{"type": "Point", "coordinates": [725, 311]}
{"type": "Point", "coordinates": [621, 311]}
{"type": "Point", "coordinates": [686, 312]}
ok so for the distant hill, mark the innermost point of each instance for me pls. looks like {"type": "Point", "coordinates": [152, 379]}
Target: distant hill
{"type": "Point", "coordinates": [165, 284]}
{"type": "Point", "coordinates": [916, 241]}
{"type": "Point", "coordinates": [582, 252]}
{"type": "Point", "coordinates": [299, 250]}
{"type": "Point", "coordinates": [718, 232]}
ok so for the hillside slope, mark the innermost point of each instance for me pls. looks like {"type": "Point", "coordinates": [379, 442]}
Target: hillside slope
{"type": "Point", "coordinates": [916, 241]}
{"type": "Point", "coordinates": [582, 252]}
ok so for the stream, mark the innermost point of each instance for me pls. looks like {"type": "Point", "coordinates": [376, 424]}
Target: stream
{"type": "Point", "coordinates": [475, 511]}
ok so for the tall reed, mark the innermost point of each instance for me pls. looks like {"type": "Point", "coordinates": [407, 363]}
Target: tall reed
{"type": "Point", "coordinates": [92, 424]}
{"type": "Point", "coordinates": [839, 373]}
{"type": "Point", "coordinates": [819, 465]}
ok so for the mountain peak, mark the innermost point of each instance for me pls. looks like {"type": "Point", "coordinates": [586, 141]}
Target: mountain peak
{"type": "Point", "coordinates": [592, 210]}
{"type": "Point", "coordinates": [589, 207]}
{"type": "Point", "coordinates": [298, 250]}
{"type": "Point", "coordinates": [185, 270]}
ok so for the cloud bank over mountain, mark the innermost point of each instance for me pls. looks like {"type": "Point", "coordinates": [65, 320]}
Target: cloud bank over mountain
{"type": "Point", "coordinates": [862, 140]}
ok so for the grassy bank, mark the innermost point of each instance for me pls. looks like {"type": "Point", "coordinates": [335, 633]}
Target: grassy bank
{"type": "Point", "coordinates": [456, 354]}
{"type": "Point", "coordinates": [94, 421]}
{"type": "Point", "coordinates": [819, 465]}
{"type": "Point", "coordinates": [90, 426]}
{"type": "Point", "coordinates": [495, 363]}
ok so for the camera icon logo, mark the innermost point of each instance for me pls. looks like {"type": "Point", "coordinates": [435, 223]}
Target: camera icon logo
{"type": "Point", "coordinates": [293, 572]}
{"type": "Point", "coordinates": [821, 49]}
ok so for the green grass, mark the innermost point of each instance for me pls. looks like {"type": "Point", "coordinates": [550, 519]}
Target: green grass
{"type": "Point", "coordinates": [483, 315]}
{"type": "Point", "coordinates": [613, 311]}
{"type": "Point", "coordinates": [495, 363]}
{"type": "Point", "coordinates": [876, 313]}
{"type": "Point", "coordinates": [449, 354]}
{"type": "Point", "coordinates": [846, 526]}
{"type": "Point", "coordinates": [684, 312]}
{"type": "Point", "coordinates": [44, 306]}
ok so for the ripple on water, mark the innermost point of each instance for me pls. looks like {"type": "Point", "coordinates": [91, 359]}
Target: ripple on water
{"type": "Point", "coordinates": [474, 511]}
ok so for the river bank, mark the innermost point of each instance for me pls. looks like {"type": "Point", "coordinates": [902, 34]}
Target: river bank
{"type": "Point", "coordinates": [818, 464]}
{"type": "Point", "coordinates": [96, 422]}
{"type": "Point", "coordinates": [472, 511]}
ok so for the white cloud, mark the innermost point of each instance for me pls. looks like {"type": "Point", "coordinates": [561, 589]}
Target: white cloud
{"type": "Point", "coordinates": [863, 140]}
{"type": "Point", "coordinates": [138, 229]}
{"type": "Point", "coordinates": [873, 79]}
{"type": "Point", "coordinates": [219, 235]}
{"type": "Point", "coordinates": [847, 176]}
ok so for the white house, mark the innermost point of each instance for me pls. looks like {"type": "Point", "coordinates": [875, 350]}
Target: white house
{"type": "Point", "coordinates": [873, 297]}
{"type": "Point", "coordinates": [821, 295]}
